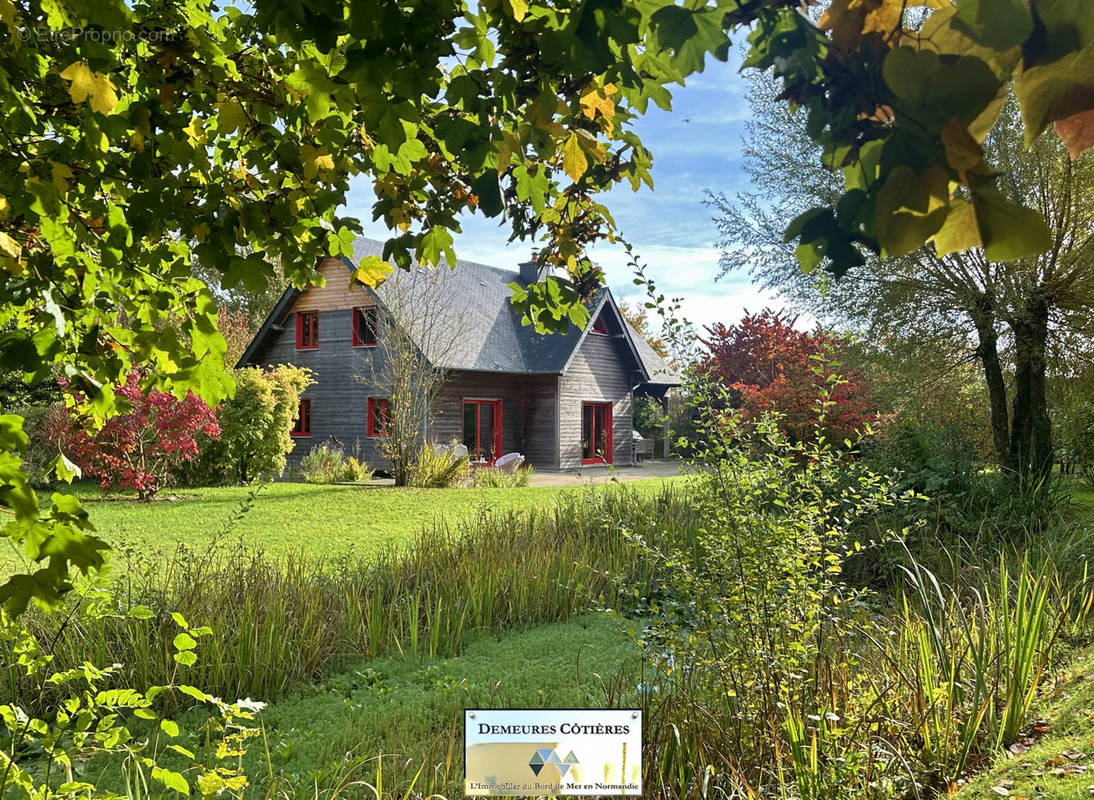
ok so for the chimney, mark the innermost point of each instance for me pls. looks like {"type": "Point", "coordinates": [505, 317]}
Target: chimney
{"type": "Point", "coordinates": [529, 270]}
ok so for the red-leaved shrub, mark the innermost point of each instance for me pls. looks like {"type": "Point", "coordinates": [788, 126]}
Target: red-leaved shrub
{"type": "Point", "coordinates": [140, 448]}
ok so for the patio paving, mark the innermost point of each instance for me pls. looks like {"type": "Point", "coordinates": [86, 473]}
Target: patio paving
{"type": "Point", "coordinates": [587, 475]}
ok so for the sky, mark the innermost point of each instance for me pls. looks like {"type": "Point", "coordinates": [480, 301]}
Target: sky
{"type": "Point", "coordinates": [697, 146]}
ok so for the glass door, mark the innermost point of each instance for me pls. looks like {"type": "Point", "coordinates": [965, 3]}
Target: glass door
{"type": "Point", "coordinates": [596, 433]}
{"type": "Point", "coordinates": [482, 429]}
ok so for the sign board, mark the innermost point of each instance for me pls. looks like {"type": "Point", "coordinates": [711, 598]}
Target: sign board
{"type": "Point", "coordinates": [554, 752]}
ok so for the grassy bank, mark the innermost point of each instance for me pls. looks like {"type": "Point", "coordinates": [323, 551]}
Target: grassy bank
{"type": "Point", "coordinates": [1053, 757]}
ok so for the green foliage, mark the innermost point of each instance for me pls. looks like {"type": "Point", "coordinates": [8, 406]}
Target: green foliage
{"type": "Point", "coordinates": [908, 146]}
{"type": "Point", "coordinates": [500, 479]}
{"type": "Point", "coordinates": [438, 468]}
{"type": "Point", "coordinates": [42, 451]}
{"type": "Point", "coordinates": [649, 417]}
{"type": "Point", "coordinates": [328, 464]}
{"type": "Point", "coordinates": [63, 721]}
{"type": "Point", "coordinates": [255, 425]}
{"type": "Point", "coordinates": [779, 677]}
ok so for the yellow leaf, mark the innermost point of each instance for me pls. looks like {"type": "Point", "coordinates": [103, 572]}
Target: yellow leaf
{"type": "Point", "coordinates": [314, 160]}
{"type": "Point", "coordinates": [510, 144]}
{"type": "Point", "coordinates": [201, 231]}
{"type": "Point", "coordinates": [230, 116]}
{"type": "Point", "coordinates": [372, 271]}
{"type": "Point", "coordinates": [61, 176]}
{"type": "Point", "coordinates": [9, 247]}
{"type": "Point", "coordinates": [142, 127]}
{"type": "Point", "coordinates": [86, 84]}
{"type": "Point", "coordinates": [959, 232]}
{"type": "Point", "coordinates": [574, 162]}
{"type": "Point", "coordinates": [5, 207]}
{"type": "Point", "coordinates": [518, 8]}
{"type": "Point", "coordinates": [962, 151]}
{"type": "Point", "coordinates": [195, 131]}
{"type": "Point", "coordinates": [599, 98]}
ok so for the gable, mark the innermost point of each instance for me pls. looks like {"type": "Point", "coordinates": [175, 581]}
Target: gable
{"type": "Point", "coordinates": [335, 293]}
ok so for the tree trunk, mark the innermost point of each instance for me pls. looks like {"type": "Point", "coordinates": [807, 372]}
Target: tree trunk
{"type": "Point", "coordinates": [1031, 428]}
{"type": "Point", "coordinates": [988, 353]}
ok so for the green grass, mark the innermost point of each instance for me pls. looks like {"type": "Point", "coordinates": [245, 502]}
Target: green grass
{"type": "Point", "coordinates": [413, 709]}
{"type": "Point", "coordinates": [314, 520]}
{"type": "Point", "coordinates": [403, 713]}
{"type": "Point", "coordinates": [1059, 763]}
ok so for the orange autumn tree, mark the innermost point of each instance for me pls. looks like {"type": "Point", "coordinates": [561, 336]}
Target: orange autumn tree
{"type": "Point", "coordinates": [768, 365]}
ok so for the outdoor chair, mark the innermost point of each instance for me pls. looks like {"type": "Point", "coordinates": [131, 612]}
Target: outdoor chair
{"type": "Point", "coordinates": [509, 462]}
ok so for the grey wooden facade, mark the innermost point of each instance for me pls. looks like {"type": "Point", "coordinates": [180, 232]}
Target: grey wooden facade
{"type": "Point", "coordinates": [541, 381]}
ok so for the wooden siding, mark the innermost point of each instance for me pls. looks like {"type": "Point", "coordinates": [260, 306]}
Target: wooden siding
{"type": "Point", "coordinates": [339, 395]}
{"type": "Point", "coordinates": [540, 423]}
{"type": "Point", "coordinates": [527, 412]}
{"type": "Point", "coordinates": [599, 373]}
{"type": "Point", "coordinates": [335, 294]}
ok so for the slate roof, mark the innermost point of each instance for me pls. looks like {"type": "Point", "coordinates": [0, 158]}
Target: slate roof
{"type": "Point", "coordinates": [491, 337]}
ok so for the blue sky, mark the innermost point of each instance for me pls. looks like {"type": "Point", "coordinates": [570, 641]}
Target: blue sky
{"type": "Point", "coordinates": [696, 146]}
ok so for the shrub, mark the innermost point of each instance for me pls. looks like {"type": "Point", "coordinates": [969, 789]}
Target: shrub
{"type": "Point", "coordinates": [769, 366]}
{"type": "Point", "coordinates": [328, 464]}
{"type": "Point", "coordinates": [142, 448]}
{"type": "Point", "coordinates": [438, 468]}
{"type": "Point", "coordinates": [254, 428]}
{"type": "Point", "coordinates": [500, 479]}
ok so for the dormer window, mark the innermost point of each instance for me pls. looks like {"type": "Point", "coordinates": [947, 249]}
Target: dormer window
{"type": "Point", "coordinates": [366, 326]}
{"type": "Point", "coordinates": [307, 330]}
{"type": "Point", "coordinates": [599, 326]}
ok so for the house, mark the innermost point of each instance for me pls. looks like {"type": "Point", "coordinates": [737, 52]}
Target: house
{"type": "Point", "coordinates": [563, 400]}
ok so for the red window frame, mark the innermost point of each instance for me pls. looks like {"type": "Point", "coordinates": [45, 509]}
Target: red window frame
{"type": "Point", "coordinates": [495, 434]}
{"type": "Point", "coordinates": [371, 329]}
{"type": "Point", "coordinates": [307, 330]}
{"type": "Point", "coordinates": [302, 426]}
{"type": "Point", "coordinates": [599, 327]}
{"type": "Point", "coordinates": [601, 430]}
{"type": "Point", "coordinates": [372, 417]}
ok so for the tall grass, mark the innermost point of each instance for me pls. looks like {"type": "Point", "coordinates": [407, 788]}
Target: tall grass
{"type": "Point", "coordinates": [280, 623]}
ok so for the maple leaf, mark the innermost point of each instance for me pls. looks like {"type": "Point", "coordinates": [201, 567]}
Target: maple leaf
{"type": "Point", "coordinates": [86, 84]}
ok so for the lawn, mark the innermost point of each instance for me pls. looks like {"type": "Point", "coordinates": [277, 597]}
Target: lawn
{"type": "Point", "coordinates": [318, 520]}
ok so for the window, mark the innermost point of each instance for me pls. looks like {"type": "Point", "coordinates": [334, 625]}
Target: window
{"type": "Point", "coordinates": [378, 423]}
{"type": "Point", "coordinates": [302, 426]}
{"type": "Point", "coordinates": [599, 326]}
{"type": "Point", "coordinates": [307, 330]}
{"type": "Point", "coordinates": [596, 433]}
{"type": "Point", "coordinates": [366, 326]}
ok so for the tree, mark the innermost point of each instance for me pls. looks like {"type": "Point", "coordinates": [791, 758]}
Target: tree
{"type": "Point", "coordinates": [141, 447]}
{"type": "Point", "coordinates": [963, 303]}
{"type": "Point", "coordinates": [255, 424]}
{"type": "Point", "coordinates": [769, 366]}
{"type": "Point", "coordinates": [238, 329]}
{"type": "Point", "coordinates": [418, 332]}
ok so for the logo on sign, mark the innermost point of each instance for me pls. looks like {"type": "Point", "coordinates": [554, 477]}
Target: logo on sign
{"type": "Point", "coordinates": [542, 758]}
